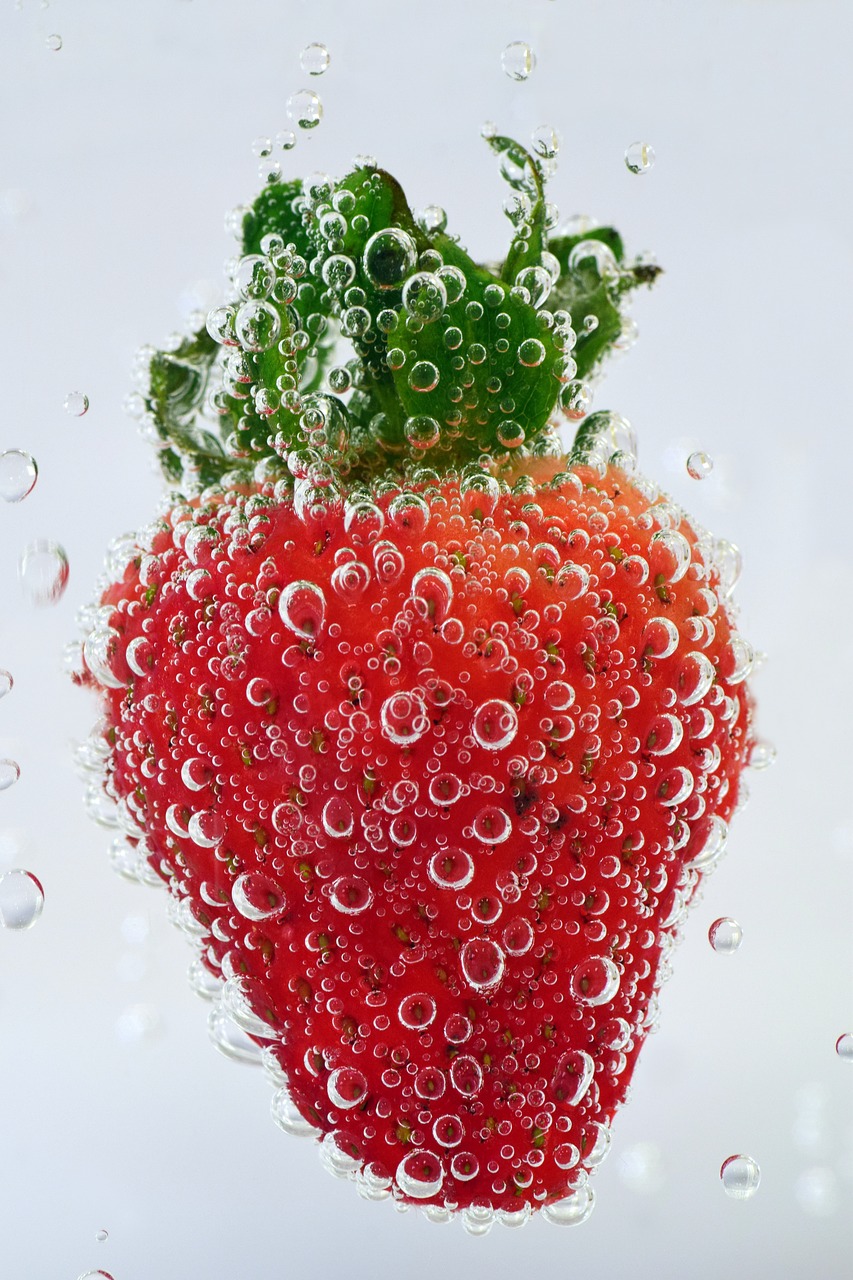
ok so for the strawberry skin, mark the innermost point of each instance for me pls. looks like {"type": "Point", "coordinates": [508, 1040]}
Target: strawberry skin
{"type": "Point", "coordinates": [435, 773]}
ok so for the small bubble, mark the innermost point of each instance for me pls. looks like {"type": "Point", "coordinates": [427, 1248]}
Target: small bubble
{"type": "Point", "coordinates": [844, 1046]}
{"type": "Point", "coordinates": [699, 465]}
{"type": "Point", "coordinates": [286, 140]}
{"type": "Point", "coordinates": [102, 1236]}
{"type": "Point", "coordinates": [18, 475]}
{"type": "Point", "coordinates": [725, 936]}
{"type": "Point", "coordinates": [305, 108]}
{"type": "Point", "coordinates": [54, 42]}
{"type": "Point", "coordinates": [639, 157]}
{"type": "Point", "coordinates": [262, 147]}
{"type": "Point", "coordinates": [9, 774]}
{"type": "Point", "coordinates": [43, 572]}
{"type": "Point", "coordinates": [21, 898]}
{"type": "Point", "coordinates": [76, 403]}
{"type": "Point", "coordinates": [762, 755]}
{"type": "Point", "coordinates": [314, 59]}
{"type": "Point", "coordinates": [6, 683]}
{"type": "Point", "coordinates": [740, 1176]}
{"type": "Point", "coordinates": [518, 60]}
{"type": "Point", "coordinates": [95, 1275]}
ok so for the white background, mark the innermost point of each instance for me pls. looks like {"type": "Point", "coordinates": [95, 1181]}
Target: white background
{"type": "Point", "coordinates": [119, 155]}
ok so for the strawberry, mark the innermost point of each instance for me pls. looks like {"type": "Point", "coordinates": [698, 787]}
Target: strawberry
{"type": "Point", "coordinates": [431, 728]}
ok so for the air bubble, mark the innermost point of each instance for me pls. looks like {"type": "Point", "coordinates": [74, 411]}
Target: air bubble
{"type": "Point", "coordinates": [18, 475]}
{"type": "Point", "coordinates": [305, 108]}
{"type": "Point", "coordinates": [699, 465]}
{"type": "Point", "coordinates": [639, 157]}
{"type": "Point", "coordinates": [518, 60]}
{"type": "Point", "coordinates": [844, 1046]}
{"type": "Point", "coordinates": [54, 42]}
{"type": "Point", "coordinates": [416, 1012]}
{"type": "Point", "coordinates": [302, 607]}
{"type": "Point", "coordinates": [495, 724]}
{"type": "Point", "coordinates": [403, 718]}
{"type": "Point", "coordinates": [740, 1176]}
{"type": "Point", "coordinates": [21, 896]}
{"type": "Point", "coordinates": [482, 963]}
{"type": "Point", "coordinates": [256, 896]}
{"type": "Point", "coordinates": [424, 296]}
{"type": "Point", "coordinates": [725, 936]}
{"type": "Point", "coordinates": [575, 400]}
{"type": "Point", "coordinates": [43, 572]}
{"type": "Point", "coordinates": [76, 403]}
{"type": "Point", "coordinates": [572, 1210]}
{"type": "Point", "coordinates": [346, 1088]}
{"type": "Point", "coordinates": [6, 683]}
{"type": "Point", "coordinates": [390, 257]}
{"type": "Point", "coordinates": [419, 1175]}
{"type": "Point", "coordinates": [314, 59]}
{"type": "Point", "coordinates": [595, 981]}
{"type": "Point", "coordinates": [451, 869]}
{"type": "Point", "coordinates": [102, 1236]}
{"type": "Point", "coordinates": [350, 895]}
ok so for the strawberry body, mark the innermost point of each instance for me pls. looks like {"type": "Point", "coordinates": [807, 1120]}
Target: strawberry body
{"type": "Point", "coordinates": [435, 773]}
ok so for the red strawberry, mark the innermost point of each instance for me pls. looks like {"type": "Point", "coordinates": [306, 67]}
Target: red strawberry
{"type": "Point", "coordinates": [432, 760]}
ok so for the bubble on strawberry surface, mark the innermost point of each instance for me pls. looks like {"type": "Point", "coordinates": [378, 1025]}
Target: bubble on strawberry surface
{"type": "Point", "coordinates": [595, 981]}
{"type": "Point", "coordinates": [43, 572]}
{"type": "Point", "coordinates": [844, 1046]}
{"type": "Point", "coordinates": [419, 1175]}
{"type": "Point", "coordinates": [302, 608]}
{"type": "Point", "coordinates": [18, 475]}
{"type": "Point", "coordinates": [518, 60]}
{"type": "Point", "coordinates": [725, 936]}
{"type": "Point", "coordinates": [351, 895]}
{"type": "Point", "coordinates": [403, 718]}
{"type": "Point", "coordinates": [639, 157]}
{"type": "Point", "coordinates": [230, 1039]}
{"type": "Point", "coordinates": [491, 825]}
{"type": "Point", "coordinates": [482, 963]}
{"type": "Point", "coordinates": [466, 1075]}
{"type": "Point", "coordinates": [740, 1176]}
{"type": "Point", "coordinates": [572, 1210]}
{"type": "Point", "coordinates": [495, 724]}
{"type": "Point", "coordinates": [417, 1012]}
{"type": "Point", "coordinates": [390, 257]}
{"type": "Point", "coordinates": [346, 1088]}
{"type": "Point", "coordinates": [573, 1078]}
{"type": "Point", "coordinates": [289, 1119]}
{"type": "Point", "coordinates": [21, 897]}
{"type": "Point", "coordinates": [76, 403]}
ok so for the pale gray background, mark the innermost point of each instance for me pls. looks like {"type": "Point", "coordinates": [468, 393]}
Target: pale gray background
{"type": "Point", "coordinates": [118, 157]}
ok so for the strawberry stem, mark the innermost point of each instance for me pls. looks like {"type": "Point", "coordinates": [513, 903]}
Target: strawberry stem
{"type": "Point", "coordinates": [449, 360]}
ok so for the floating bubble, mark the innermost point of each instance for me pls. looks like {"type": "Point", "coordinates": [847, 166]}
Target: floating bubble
{"type": "Point", "coordinates": [639, 157]}
{"type": "Point", "coordinates": [54, 42]}
{"type": "Point", "coordinates": [740, 1176]}
{"type": "Point", "coordinates": [725, 936]}
{"type": "Point", "coordinates": [314, 59]}
{"type": "Point", "coordinates": [762, 755]}
{"type": "Point", "coordinates": [102, 1236]}
{"type": "Point", "coordinates": [844, 1046]}
{"type": "Point", "coordinates": [518, 60]}
{"type": "Point", "coordinates": [76, 403]}
{"type": "Point", "coordinates": [305, 108]}
{"type": "Point", "coordinates": [699, 465]}
{"type": "Point", "coordinates": [43, 572]}
{"type": "Point", "coordinates": [10, 772]}
{"type": "Point", "coordinates": [18, 475]}
{"type": "Point", "coordinates": [6, 683]}
{"type": "Point", "coordinates": [21, 899]}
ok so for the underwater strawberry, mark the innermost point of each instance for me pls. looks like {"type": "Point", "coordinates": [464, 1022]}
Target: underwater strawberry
{"type": "Point", "coordinates": [431, 728]}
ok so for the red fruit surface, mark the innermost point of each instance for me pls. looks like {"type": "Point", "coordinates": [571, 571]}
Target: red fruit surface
{"type": "Point", "coordinates": [436, 777]}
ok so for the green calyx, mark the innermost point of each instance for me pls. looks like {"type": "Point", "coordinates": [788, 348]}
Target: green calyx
{"type": "Point", "coordinates": [360, 338]}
